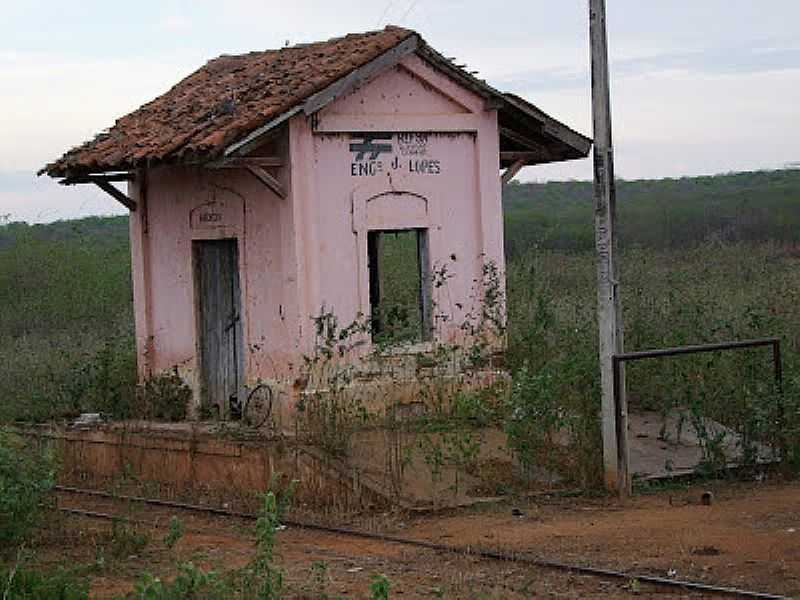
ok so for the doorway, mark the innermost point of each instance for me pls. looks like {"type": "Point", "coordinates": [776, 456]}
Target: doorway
{"type": "Point", "coordinates": [216, 265]}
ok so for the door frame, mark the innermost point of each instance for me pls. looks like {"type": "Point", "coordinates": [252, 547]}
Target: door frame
{"type": "Point", "coordinates": [239, 345]}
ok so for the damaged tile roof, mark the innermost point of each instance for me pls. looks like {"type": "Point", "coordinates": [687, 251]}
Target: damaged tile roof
{"type": "Point", "coordinates": [223, 101]}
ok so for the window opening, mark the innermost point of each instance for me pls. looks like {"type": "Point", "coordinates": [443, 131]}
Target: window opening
{"type": "Point", "coordinates": [399, 286]}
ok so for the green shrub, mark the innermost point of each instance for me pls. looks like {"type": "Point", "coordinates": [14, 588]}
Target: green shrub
{"type": "Point", "coordinates": [163, 397]}
{"type": "Point", "coordinates": [27, 474]}
{"type": "Point", "coordinates": [175, 533]}
{"type": "Point", "coordinates": [553, 420]}
{"type": "Point", "coordinates": [55, 584]}
{"type": "Point", "coordinates": [127, 539]}
{"type": "Point", "coordinates": [262, 578]}
{"type": "Point", "coordinates": [106, 381]}
{"type": "Point", "coordinates": [266, 578]}
{"type": "Point", "coordinates": [191, 582]}
{"type": "Point", "coordinates": [379, 588]}
{"type": "Point", "coordinates": [789, 422]}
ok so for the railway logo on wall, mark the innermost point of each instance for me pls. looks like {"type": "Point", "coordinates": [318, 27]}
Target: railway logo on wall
{"type": "Point", "coordinates": [376, 153]}
{"type": "Point", "coordinates": [371, 144]}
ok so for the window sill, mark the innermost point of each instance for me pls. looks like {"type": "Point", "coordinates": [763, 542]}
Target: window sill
{"type": "Point", "coordinates": [407, 349]}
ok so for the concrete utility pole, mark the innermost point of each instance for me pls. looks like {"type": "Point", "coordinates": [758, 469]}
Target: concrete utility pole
{"type": "Point", "coordinates": [609, 317]}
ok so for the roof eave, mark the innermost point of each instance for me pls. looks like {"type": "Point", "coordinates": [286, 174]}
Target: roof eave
{"type": "Point", "coordinates": [574, 145]}
{"type": "Point", "coordinates": [563, 142]}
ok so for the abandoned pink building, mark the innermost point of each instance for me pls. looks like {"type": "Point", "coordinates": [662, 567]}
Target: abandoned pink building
{"type": "Point", "coordinates": [262, 186]}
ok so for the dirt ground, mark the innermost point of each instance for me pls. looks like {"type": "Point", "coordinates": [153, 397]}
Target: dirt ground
{"type": "Point", "coordinates": [748, 537]}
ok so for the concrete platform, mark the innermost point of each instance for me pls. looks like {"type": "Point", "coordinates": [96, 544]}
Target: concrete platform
{"type": "Point", "coordinates": [229, 465]}
{"type": "Point", "coordinates": [668, 446]}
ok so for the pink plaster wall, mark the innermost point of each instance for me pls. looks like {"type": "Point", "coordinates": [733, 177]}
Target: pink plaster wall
{"type": "Point", "coordinates": [444, 176]}
{"type": "Point", "coordinates": [308, 250]}
{"type": "Point", "coordinates": [163, 266]}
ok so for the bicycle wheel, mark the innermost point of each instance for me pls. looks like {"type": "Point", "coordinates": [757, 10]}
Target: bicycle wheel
{"type": "Point", "coordinates": [259, 405]}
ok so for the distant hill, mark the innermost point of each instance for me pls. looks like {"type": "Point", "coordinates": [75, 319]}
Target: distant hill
{"type": "Point", "coordinates": [103, 230]}
{"type": "Point", "coordinates": [665, 213]}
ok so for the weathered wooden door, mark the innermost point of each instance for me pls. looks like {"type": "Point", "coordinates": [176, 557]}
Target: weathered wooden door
{"type": "Point", "coordinates": [219, 324]}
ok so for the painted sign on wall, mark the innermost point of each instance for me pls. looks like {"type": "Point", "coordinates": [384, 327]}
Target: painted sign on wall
{"type": "Point", "coordinates": [214, 215]}
{"type": "Point", "coordinates": [377, 153]}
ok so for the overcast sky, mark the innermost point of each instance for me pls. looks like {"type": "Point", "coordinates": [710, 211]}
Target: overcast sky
{"type": "Point", "coordinates": [698, 86]}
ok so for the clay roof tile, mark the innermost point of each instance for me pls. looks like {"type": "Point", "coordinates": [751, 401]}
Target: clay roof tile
{"type": "Point", "coordinates": [223, 101]}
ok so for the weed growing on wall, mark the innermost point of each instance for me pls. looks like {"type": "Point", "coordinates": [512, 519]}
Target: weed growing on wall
{"type": "Point", "coordinates": [431, 401]}
{"type": "Point", "coordinates": [328, 410]}
{"type": "Point", "coordinates": [163, 397]}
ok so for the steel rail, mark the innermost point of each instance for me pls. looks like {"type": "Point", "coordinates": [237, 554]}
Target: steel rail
{"type": "Point", "coordinates": [435, 546]}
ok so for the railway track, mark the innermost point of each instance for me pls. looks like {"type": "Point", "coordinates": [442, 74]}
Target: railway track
{"type": "Point", "coordinates": [488, 554]}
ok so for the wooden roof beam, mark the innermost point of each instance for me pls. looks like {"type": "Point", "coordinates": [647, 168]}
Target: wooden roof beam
{"type": "Point", "coordinates": [512, 171]}
{"type": "Point", "coordinates": [526, 141]}
{"type": "Point", "coordinates": [104, 182]}
{"type": "Point", "coordinates": [89, 178]}
{"type": "Point", "coordinates": [118, 195]}
{"type": "Point", "coordinates": [550, 126]}
{"type": "Point", "coordinates": [527, 156]}
{"type": "Point", "coordinates": [246, 162]}
{"type": "Point", "coordinates": [268, 180]}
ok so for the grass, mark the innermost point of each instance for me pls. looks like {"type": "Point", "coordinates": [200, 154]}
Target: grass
{"type": "Point", "coordinates": [399, 276]}
{"type": "Point", "coordinates": [709, 293]}
{"type": "Point", "coordinates": [66, 340]}
{"type": "Point", "coordinates": [703, 259]}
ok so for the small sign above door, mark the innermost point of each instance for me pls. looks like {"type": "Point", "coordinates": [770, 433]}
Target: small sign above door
{"type": "Point", "coordinates": [213, 215]}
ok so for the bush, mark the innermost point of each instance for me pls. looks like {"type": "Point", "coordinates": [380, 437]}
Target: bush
{"type": "Point", "coordinates": [26, 475]}
{"type": "Point", "coordinates": [191, 582]}
{"type": "Point", "coordinates": [163, 397]}
{"type": "Point", "coordinates": [790, 421]}
{"type": "Point", "coordinates": [553, 420]}
{"type": "Point", "coordinates": [58, 584]}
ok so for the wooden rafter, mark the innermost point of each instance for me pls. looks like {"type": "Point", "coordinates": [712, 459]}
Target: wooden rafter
{"type": "Point", "coordinates": [86, 178]}
{"type": "Point", "coordinates": [256, 161]}
{"type": "Point", "coordinates": [267, 179]}
{"type": "Point", "coordinates": [524, 140]}
{"type": "Point", "coordinates": [550, 126]}
{"type": "Point", "coordinates": [119, 196]}
{"type": "Point", "coordinates": [104, 182]}
{"type": "Point", "coordinates": [512, 171]}
{"type": "Point", "coordinates": [514, 156]}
